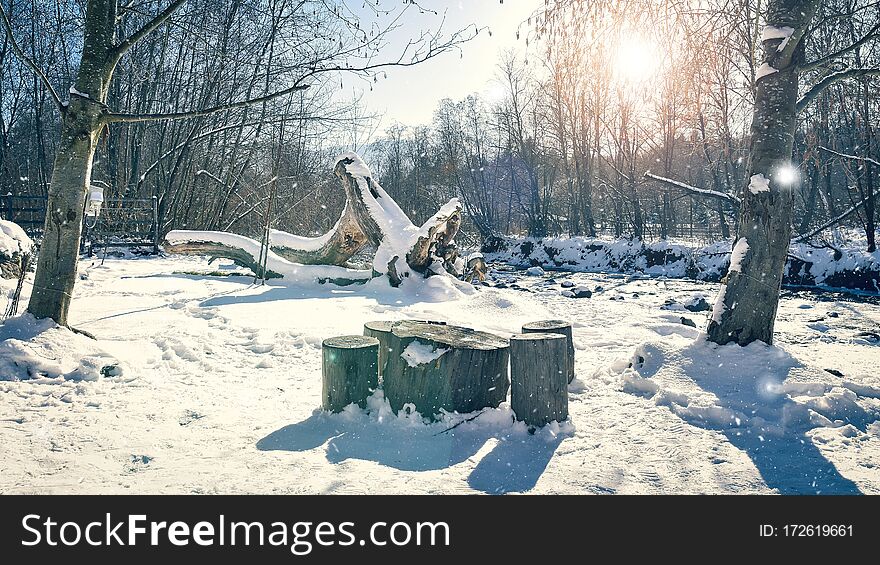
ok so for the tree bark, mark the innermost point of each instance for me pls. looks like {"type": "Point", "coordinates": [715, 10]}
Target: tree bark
{"type": "Point", "coordinates": [560, 327]}
{"type": "Point", "coordinates": [745, 310]}
{"type": "Point", "coordinates": [539, 366]}
{"type": "Point", "coordinates": [468, 373]}
{"type": "Point", "coordinates": [81, 125]}
{"type": "Point", "coordinates": [350, 371]}
{"type": "Point", "coordinates": [380, 330]}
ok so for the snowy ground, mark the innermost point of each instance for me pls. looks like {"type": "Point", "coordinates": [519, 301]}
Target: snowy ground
{"type": "Point", "coordinates": [203, 384]}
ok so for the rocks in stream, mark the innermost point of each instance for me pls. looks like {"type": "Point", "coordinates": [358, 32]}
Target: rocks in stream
{"type": "Point", "coordinates": [578, 292]}
{"type": "Point", "coordinates": [698, 304]}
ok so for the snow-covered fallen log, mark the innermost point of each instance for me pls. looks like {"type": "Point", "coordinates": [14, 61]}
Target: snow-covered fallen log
{"type": "Point", "coordinates": [402, 248]}
{"type": "Point", "coordinates": [244, 251]}
{"type": "Point", "coordinates": [370, 217]}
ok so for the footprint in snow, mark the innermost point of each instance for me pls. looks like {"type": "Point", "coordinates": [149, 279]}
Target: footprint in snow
{"type": "Point", "coordinates": [138, 463]}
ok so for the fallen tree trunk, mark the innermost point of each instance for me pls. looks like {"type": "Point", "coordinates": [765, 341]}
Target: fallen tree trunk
{"type": "Point", "coordinates": [370, 217]}
{"type": "Point", "coordinates": [335, 247]}
{"type": "Point", "coordinates": [401, 246]}
{"type": "Point", "coordinates": [244, 252]}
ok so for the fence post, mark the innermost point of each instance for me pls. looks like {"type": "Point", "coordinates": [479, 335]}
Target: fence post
{"type": "Point", "coordinates": [155, 225]}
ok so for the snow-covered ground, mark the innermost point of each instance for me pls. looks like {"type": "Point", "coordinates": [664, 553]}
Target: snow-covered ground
{"type": "Point", "coordinates": [201, 384]}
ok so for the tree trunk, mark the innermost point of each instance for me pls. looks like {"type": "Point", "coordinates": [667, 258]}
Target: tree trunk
{"type": "Point", "coordinates": [81, 125]}
{"type": "Point", "coordinates": [870, 203]}
{"type": "Point", "coordinates": [56, 266]}
{"type": "Point", "coordinates": [745, 310]}
{"type": "Point", "coordinates": [380, 330]}
{"type": "Point", "coordinates": [539, 366]}
{"type": "Point", "coordinates": [437, 367]}
{"type": "Point", "coordinates": [350, 371]}
{"type": "Point", "coordinates": [560, 327]}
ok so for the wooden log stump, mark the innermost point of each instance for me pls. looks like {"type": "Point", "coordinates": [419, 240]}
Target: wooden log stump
{"type": "Point", "coordinates": [381, 330]}
{"type": "Point", "coordinates": [435, 366]}
{"type": "Point", "coordinates": [539, 368]}
{"type": "Point", "coordinates": [350, 371]}
{"type": "Point", "coordinates": [555, 327]}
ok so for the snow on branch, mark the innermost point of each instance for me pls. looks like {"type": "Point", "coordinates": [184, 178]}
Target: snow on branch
{"type": "Point", "coordinates": [833, 78]}
{"type": "Point", "coordinates": [764, 70]}
{"type": "Point", "coordinates": [731, 199]}
{"type": "Point", "coordinates": [771, 33]}
{"type": "Point", "coordinates": [851, 157]}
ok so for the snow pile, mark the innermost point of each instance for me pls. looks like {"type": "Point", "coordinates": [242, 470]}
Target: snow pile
{"type": "Point", "coordinates": [844, 267]}
{"type": "Point", "coordinates": [784, 33]}
{"type": "Point", "coordinates": [738, 254]}
{"type": "Point", "coordinates": [13, 240]}
{"type": "Point", "coordinates": [418, 353]}
{"type": "Point", "coordinates": [41, 351]}
{"type": "Point", "coordinates": [757, 391]}
{"type": "Point", "coordinates": [758, 184]}
{"type": "Point", "coordinates": [764, 70]}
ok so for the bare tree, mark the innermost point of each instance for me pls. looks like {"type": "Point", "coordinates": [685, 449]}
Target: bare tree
{"type": "Point", "coordinates": [336, 43]}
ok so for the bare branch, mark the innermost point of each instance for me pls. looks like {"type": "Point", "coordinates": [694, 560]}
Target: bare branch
{"type": "Point", "coordinates": [833, 78]}
{"type": "Point", "coordinates": [839, 218]}
{"type": "Point", "coordinates": [850, 157]}
{"type": "Point", "coordinates": [418, 58]}
{"type": "Point", "coordinates": [28, 61]}
{"type": "Point", "coordinates": [131, 118]}
{"type": "Point", "coordinates": [148, 27]}
{"type": "Point", "coordinates": [873, 34]}
{"type": "Point", "coordinates": [729, 198]}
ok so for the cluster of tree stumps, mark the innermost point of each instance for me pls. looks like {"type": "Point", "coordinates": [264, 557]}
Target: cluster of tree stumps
{"type": "Point", "coordinates": [432, 367]}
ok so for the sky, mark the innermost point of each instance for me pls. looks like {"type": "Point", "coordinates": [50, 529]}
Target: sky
{"type": "Point", "coordinates": [410, 95]}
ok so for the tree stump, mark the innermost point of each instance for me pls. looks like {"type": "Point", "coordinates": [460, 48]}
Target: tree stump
{"type": "Point", "coordinates": [435, 366]}
{"type": "Point", "coordinates": [350, 371]}
{"type": "Point", "coordinates": [381, 330]}
{"type": "Point", "coordinates": [539, 368]}
{"type": "Point", "coordinates": [555, 327]}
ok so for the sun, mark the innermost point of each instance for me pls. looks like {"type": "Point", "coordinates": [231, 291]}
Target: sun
{"type": "Point", "coordinates": [635, 60]}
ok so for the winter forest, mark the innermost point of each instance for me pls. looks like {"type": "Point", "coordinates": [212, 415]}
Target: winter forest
{"type": "Point", "coordinates": [678, 198]}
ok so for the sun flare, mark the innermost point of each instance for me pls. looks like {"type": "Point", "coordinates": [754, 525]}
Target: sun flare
{"type": "Point", "coordinates": [634, 59]}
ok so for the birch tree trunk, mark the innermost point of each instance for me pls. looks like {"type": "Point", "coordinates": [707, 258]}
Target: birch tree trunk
{"type": "Point", "coordinates": [745, 310]}
{"type": "Point", "coordinates": [81, 124]}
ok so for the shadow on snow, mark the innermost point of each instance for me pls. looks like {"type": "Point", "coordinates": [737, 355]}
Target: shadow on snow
{"type": "Point", "coordinates": [514, 464]}
{"type": "Point", "coordinates": [749, 381]}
